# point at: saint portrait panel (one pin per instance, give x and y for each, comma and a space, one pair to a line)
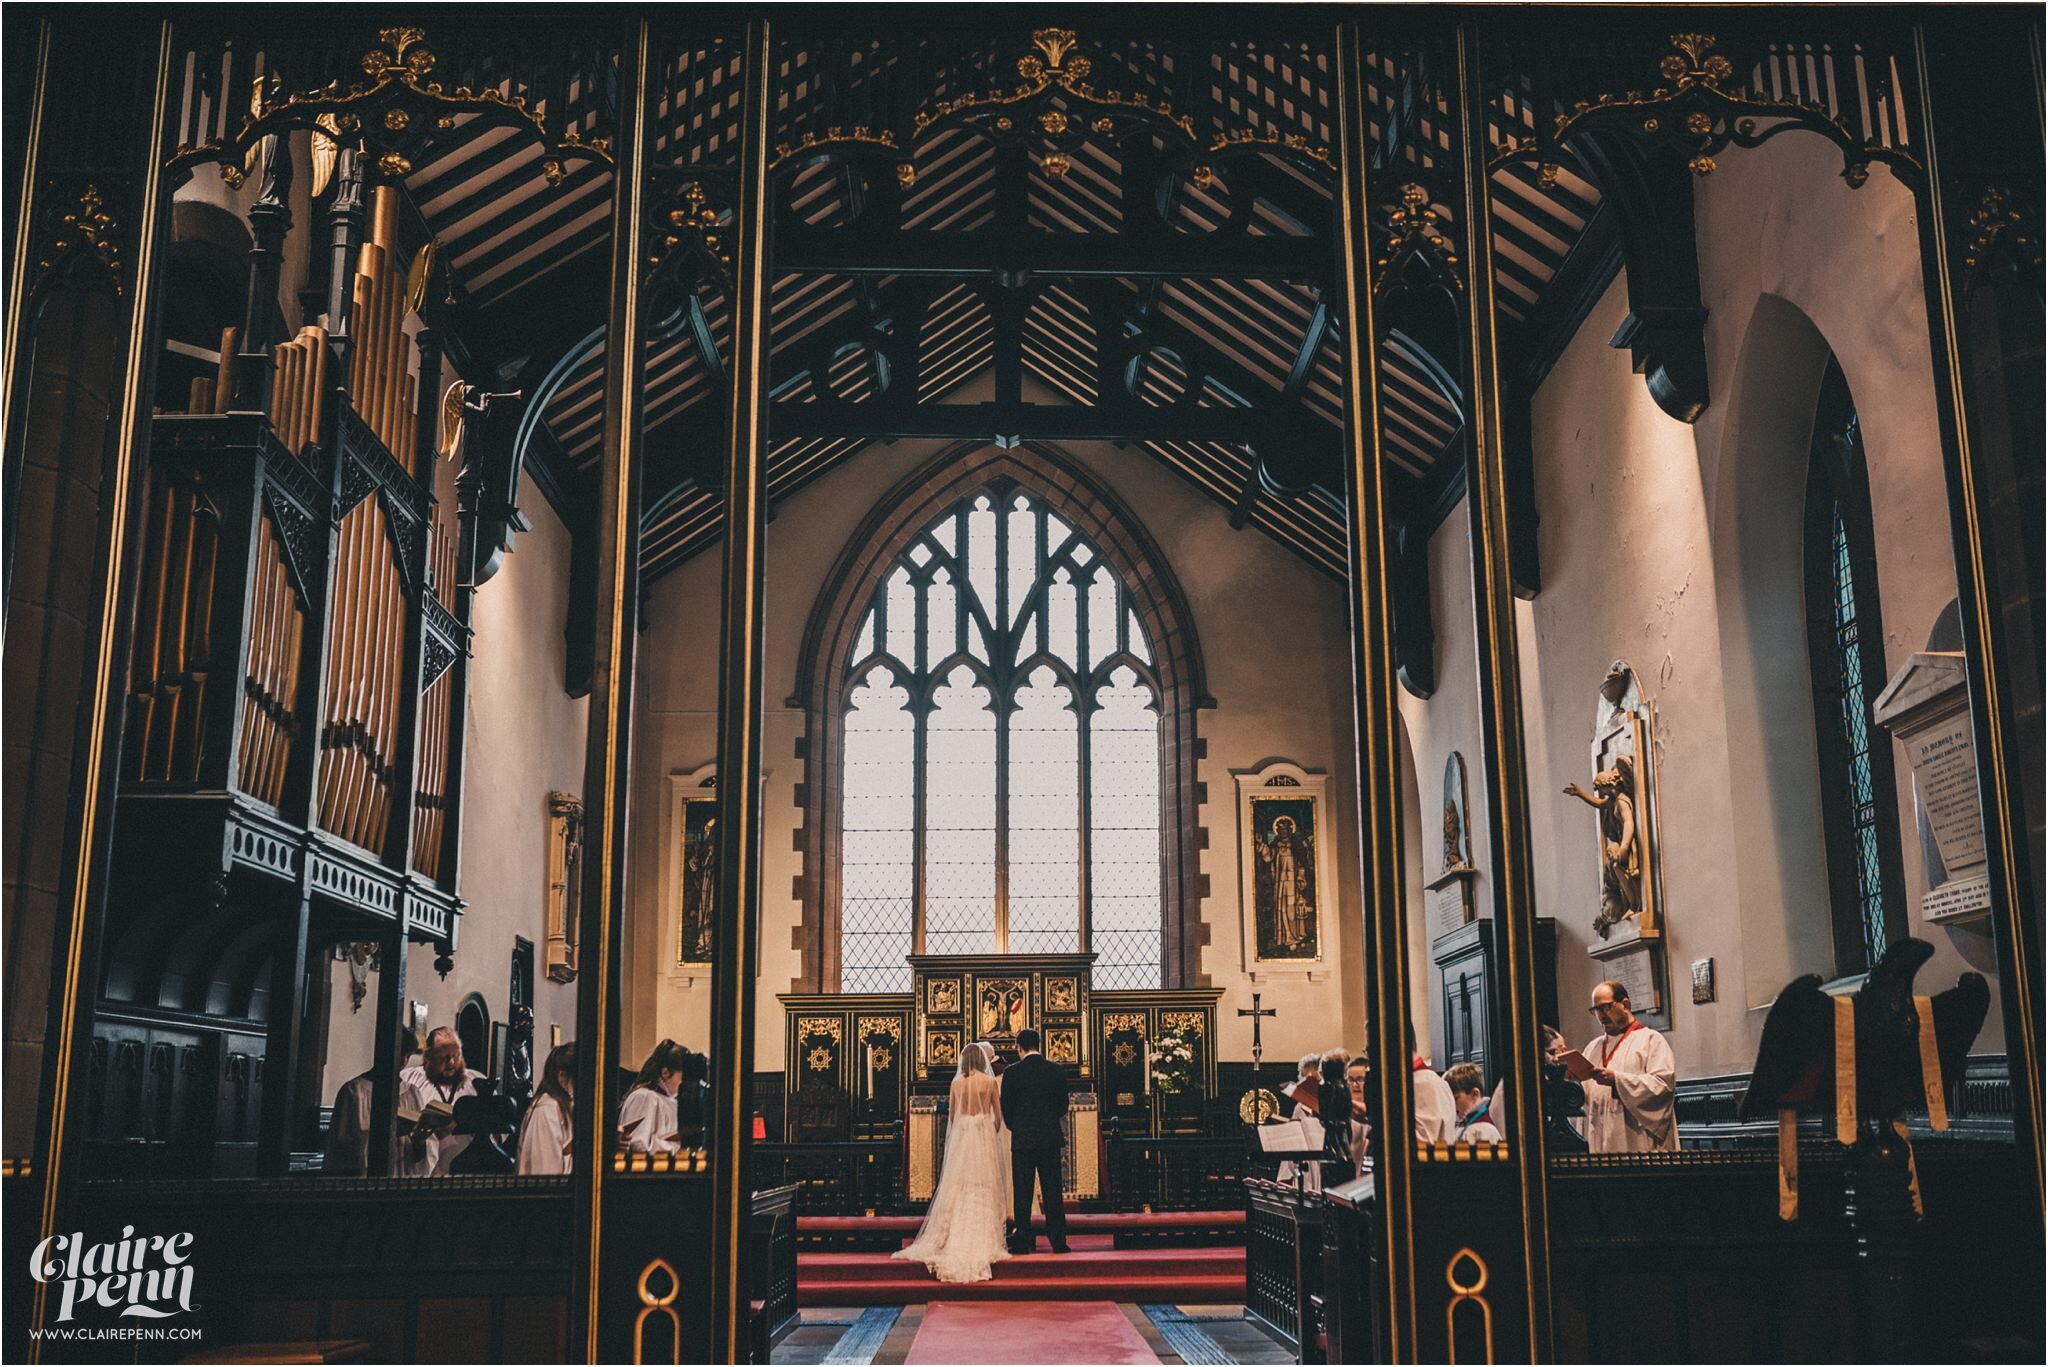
1286, 884
698, 896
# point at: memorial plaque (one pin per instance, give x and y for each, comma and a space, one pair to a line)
1944, 758
1958, 899
1450, 906
1926, 707
1636, 972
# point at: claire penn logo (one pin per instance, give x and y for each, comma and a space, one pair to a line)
147, 1277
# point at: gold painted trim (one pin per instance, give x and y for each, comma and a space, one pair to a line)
739, 702
117, 489
1462, 1292
24, 235
1372, 674
651, 1304
1504, 772
405, 61
611, 704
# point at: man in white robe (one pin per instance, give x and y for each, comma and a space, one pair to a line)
1436, 1111
441, 1075
1631, 1099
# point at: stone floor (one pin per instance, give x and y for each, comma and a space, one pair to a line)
1194, 1334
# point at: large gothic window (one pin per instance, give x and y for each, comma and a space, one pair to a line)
1846, 652
1000, 779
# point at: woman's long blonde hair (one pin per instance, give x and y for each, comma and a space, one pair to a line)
975, 1058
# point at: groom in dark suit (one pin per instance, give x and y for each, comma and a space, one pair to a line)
1034, 1105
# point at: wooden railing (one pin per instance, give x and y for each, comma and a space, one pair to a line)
1178, 1172
1283, 1248
835, 1179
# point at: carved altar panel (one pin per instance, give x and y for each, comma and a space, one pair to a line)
847, 1071
963, 998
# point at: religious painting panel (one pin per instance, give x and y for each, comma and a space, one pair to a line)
1062, 995
1063, 1045
1002, 1007
1286, 858
694, 850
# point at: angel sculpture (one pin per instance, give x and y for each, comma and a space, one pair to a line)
1864, 1060
1621, 865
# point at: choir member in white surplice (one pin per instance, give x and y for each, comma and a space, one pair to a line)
1631, 1096
544, 1134
1436, 1111
647, 1116
348, 1133
438, 1080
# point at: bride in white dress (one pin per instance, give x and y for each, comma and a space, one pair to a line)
962, 1236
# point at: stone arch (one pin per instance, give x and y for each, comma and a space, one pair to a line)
1759, 520
1091, 509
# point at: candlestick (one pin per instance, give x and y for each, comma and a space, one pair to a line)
1145, 1047
871, 1072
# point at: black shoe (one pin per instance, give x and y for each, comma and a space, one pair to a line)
1059, 1248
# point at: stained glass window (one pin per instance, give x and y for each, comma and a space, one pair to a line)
1847, 659
1005, 706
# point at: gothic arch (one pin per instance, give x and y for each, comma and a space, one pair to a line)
1089, 506
1759, 523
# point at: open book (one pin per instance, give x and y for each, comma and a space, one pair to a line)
1286, 1136
1577, 1065
435, 1115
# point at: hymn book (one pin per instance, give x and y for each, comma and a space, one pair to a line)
1577, 1065
435, 1115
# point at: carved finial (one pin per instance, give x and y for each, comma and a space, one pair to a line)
405, 52
1055, 43
1696, 67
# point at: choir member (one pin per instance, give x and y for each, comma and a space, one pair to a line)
429, 1147
1475, 1108
1631, 1080
348, 1132
647, 1117
544, 1134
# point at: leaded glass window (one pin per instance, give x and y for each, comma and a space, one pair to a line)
1001, 781
1847, 660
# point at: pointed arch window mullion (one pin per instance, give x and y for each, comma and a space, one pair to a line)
1003, 703
920, 712
1084, 728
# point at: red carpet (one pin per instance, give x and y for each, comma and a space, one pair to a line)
1027, 1332
1092, 1271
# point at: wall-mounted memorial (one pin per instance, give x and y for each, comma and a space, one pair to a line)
1628, 917
1926, 707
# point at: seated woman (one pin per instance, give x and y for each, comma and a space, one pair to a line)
544, 1134
1475, 1108
647, 1117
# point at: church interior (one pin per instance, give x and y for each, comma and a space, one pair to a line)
612, 611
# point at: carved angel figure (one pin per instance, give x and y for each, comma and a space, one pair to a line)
1621, 867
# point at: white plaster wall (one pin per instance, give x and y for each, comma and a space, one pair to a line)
1676, 548
1779, 224
1447, 720
525, 739
1273, 636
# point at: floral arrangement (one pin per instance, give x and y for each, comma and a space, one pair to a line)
1173, 1060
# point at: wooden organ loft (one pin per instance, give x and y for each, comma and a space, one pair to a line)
296, 706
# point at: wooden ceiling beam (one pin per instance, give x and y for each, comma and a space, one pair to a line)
1009, 255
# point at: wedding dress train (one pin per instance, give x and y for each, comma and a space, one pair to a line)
962, 1236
